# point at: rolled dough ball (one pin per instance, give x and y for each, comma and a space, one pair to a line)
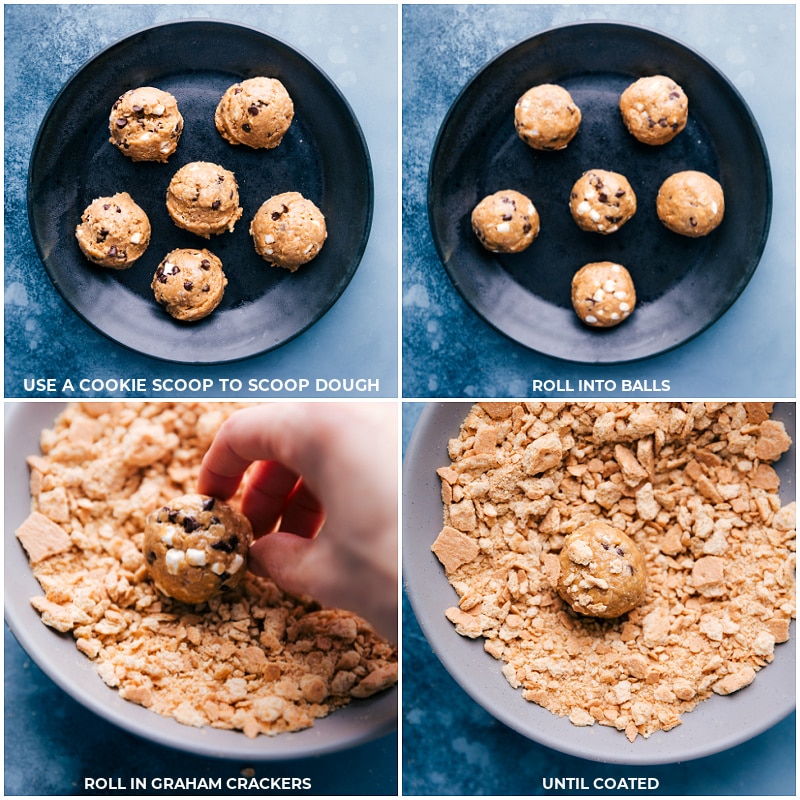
203, 198
603, 572
602, 201
546, 117
603, 294
256, 112
114, 231
505, 222
196, 547
690, 203
288, 230
145, 124
189, 283
654, 109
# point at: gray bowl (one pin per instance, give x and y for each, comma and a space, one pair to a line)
57, 656
715, 725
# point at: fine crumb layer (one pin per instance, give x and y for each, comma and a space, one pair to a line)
691, 483
255, 659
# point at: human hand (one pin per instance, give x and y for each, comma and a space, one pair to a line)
317, 468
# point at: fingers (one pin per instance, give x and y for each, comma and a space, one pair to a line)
266, 493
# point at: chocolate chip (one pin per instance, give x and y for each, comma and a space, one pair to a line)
205, 264
619, 193
602, 197
208, 504
151, 557
215, 520
121, 122
674, 95
237, 90
275, 215
188, 285
172, 515
190, 524
112, 251
619, 551
226, 545
663, 122
253, 110
138, 109
106, 206
246, 127
508, 217
215, 205
206, 288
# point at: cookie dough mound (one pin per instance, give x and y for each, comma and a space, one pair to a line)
189, 284
114, 231
690, 203
203, 198
196, 547
602, 201
145, 124
505, 222
603, 294
288, 230
603, 573
256, 112
546, 117
654, 109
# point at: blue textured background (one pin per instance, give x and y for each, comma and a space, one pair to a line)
354, 45
448, 351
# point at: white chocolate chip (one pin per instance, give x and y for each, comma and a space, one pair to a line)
503, 227
136, 238
237, 563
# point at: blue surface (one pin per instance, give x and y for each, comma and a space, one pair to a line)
53, 744
354, 45
451, 746
448, 351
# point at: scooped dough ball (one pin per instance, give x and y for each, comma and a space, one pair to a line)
603, 573
145, 124
602, 201
654, 109
603, 294
256, 112
690, 203
546, 117
114, 231
288, 230
505, 222
189, 283
203, 198
196, 547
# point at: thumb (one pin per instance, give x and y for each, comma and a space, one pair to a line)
281, 556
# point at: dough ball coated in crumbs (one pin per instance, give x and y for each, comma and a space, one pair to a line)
256, 112
189, 283
196, 547
690, 203
603, 572
603, 294
114, 231
602, 201
145, 124
505, 222
203, 198
288, 230
654, 109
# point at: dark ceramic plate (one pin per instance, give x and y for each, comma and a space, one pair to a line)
714, 725
683, 285
324, 156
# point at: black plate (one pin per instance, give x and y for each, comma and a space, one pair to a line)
324, 156
683, 285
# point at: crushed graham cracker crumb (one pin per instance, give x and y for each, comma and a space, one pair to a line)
691, 483
256, 660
